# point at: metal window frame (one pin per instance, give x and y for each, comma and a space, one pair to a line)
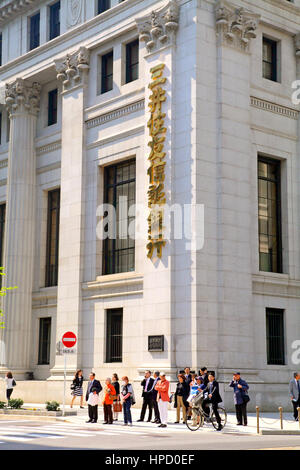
110, 315
52, 107
41, 360
48, 280
104, 74
54, 26
129, 64
34, 31
279, 360
103, 5
277, 164
107, 186
273, 63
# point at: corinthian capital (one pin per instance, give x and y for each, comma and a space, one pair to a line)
235, 26
72, 68
22, 97
159, 27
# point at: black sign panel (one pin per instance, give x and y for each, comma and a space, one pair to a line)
156, 343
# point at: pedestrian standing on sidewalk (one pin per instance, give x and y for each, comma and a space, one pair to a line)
115, 383
127, 397
163, 399
181, 396
294, 390
10, 384
154, 398
241, 398
147, 395
77, 388
109, 397
93, 386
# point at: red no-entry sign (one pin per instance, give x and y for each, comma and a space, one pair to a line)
69, 339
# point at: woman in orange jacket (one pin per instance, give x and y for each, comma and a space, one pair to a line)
163, 399
109, 397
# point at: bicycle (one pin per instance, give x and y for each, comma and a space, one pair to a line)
199, 417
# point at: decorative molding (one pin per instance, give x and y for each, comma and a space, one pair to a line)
74, 16
48, 148
116, 114
116, 137
4, 163
14, 8
73, 68
235, 26
281, 286
159, 27
274, 108
22, 97
51, 167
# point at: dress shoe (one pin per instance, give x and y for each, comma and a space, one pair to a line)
239, 424
94, 421
149, 421
163, 425
220, 427
140, 420
105, 422
89, 421
176, 422
154, 422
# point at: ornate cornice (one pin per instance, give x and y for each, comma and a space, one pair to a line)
48, 148
22, 97
274, 108
116, 114
73, 68
14, 8
235, 26
159, 27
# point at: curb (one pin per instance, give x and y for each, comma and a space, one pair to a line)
278, 432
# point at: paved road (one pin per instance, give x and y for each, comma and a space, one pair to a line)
39, 435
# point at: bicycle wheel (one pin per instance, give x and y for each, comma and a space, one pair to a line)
197, 420
223, 416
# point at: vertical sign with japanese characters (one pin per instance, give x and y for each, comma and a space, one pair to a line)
156, 170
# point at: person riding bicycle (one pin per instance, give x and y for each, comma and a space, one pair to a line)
212, 395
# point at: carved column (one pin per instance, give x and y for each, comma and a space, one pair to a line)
296, 163
22, 101
158, 31
72, 71
236, 170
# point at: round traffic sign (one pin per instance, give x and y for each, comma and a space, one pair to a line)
69, 339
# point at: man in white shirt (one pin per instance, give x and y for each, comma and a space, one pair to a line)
147, 385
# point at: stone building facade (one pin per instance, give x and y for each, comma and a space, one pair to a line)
75, 123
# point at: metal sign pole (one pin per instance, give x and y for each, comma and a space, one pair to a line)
65, 378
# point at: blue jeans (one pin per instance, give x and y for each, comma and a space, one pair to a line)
127, 412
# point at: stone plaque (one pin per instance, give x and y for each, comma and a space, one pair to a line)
156, 343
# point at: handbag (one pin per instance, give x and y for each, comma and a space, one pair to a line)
72, 386
14, 383
245, 397
117, 406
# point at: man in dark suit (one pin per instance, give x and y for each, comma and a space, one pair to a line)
214, 398
294, 389
204, 375
93, 386
154, 399
188, 375
147, 385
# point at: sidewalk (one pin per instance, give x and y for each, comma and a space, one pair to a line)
268, 421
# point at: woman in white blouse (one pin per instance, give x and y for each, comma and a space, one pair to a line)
10, 382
